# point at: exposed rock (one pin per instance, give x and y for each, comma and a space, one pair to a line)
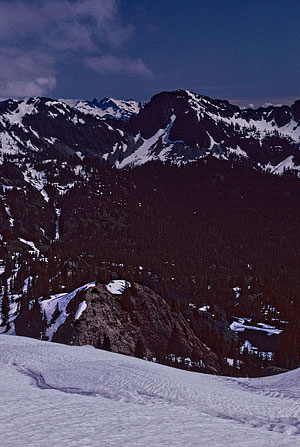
139, 325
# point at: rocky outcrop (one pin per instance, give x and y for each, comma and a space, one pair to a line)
138, 322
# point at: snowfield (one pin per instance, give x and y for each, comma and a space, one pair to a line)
56, 395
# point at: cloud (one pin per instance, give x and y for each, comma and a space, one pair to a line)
113, 64
37, 36
263, 102
29, 74
79, 24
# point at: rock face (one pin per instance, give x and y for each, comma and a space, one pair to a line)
138, 322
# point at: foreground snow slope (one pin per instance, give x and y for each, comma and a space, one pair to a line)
78, 396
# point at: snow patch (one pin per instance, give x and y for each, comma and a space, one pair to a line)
283, 166
118, 286
8, 212
58, 213
16, 116
34, 250
81, 308
204, 308
240, 326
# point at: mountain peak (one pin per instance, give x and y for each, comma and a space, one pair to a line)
110, 108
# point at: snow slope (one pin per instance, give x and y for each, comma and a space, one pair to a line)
78, 396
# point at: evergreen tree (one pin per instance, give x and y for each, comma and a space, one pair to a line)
140, 349
106, 343
5, 307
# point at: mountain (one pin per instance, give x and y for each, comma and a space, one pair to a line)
110, 108
82, 396
41, 128
181, 199
182, 127
177, 127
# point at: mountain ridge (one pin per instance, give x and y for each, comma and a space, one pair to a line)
177, 127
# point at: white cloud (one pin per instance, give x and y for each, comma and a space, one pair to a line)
62, 23
37, 35
113, 64
263, 102
29, 74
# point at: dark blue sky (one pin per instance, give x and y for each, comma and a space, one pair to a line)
246, 51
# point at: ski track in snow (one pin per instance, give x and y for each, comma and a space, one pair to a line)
43, 385
60, 395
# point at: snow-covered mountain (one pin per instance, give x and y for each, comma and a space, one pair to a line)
111, 108
39, 128
80, 396
182, 127
177, 127
107, 107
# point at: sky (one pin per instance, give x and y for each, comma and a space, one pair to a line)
241, 50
